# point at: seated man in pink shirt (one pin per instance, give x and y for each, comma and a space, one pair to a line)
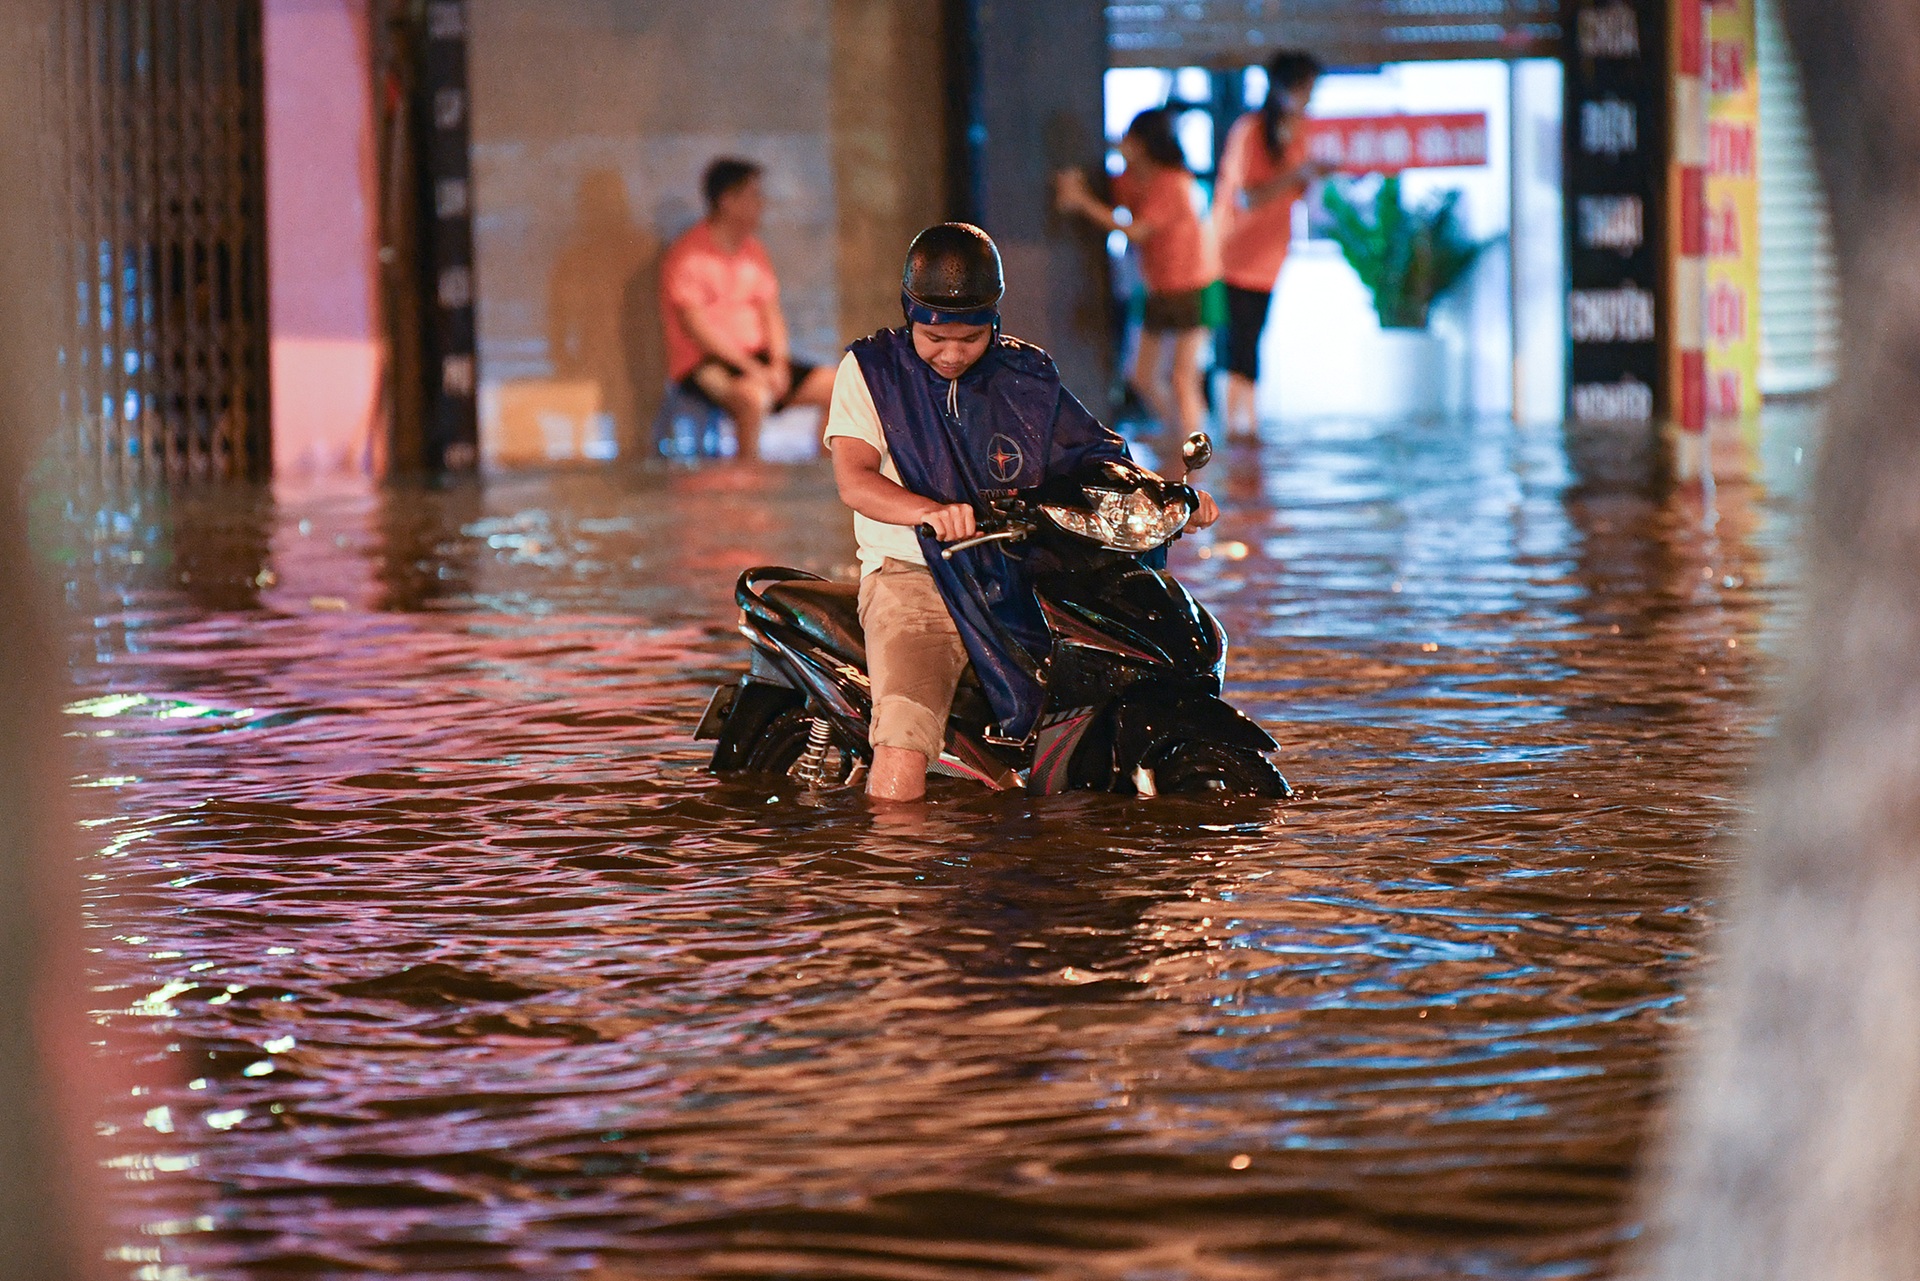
726, 338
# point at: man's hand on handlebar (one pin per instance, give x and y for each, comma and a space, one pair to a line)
952, 522
1206, 513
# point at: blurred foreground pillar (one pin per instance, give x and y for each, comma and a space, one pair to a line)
1796, 1147
52, 1083
1028, 98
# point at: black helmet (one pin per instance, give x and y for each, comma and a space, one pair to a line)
952, 277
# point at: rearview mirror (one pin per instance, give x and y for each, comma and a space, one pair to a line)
1197, 452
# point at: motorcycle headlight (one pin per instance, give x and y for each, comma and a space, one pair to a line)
1129, 522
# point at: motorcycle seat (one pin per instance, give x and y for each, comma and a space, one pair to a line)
828, 612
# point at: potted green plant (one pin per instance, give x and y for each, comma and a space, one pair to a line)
1408, 258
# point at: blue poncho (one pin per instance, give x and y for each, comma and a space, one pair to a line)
1005, 424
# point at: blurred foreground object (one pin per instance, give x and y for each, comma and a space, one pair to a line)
50, 1079
1795, 1150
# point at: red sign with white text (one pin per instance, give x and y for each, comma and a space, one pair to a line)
1389, 144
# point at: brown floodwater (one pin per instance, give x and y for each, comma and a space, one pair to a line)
438, 954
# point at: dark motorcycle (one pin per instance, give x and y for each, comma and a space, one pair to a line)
1133, 683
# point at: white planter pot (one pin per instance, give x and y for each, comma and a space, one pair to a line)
1324, 355
1407, 375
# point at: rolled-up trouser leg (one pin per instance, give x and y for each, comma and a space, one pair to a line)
914, 658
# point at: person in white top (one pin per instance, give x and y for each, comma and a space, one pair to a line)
915, 655
1009, 427
852, 417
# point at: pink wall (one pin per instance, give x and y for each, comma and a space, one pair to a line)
321, 238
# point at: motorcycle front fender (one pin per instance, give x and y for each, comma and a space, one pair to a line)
1146, 718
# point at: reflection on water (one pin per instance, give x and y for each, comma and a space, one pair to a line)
447, 959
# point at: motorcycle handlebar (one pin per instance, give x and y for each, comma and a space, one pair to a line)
985, 525
986, 531
1011, 534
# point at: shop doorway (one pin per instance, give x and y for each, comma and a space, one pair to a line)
1499, 335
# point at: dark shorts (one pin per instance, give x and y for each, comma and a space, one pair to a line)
1246, 317
1168, 313
797, 371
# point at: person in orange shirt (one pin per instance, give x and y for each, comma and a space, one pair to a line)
1264, 170
1177, 256
720, 301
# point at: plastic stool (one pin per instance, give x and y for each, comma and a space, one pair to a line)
690, 427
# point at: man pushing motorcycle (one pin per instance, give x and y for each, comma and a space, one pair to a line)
929, 423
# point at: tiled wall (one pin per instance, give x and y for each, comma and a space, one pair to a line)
593, 120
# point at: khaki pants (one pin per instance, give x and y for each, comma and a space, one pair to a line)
914, 657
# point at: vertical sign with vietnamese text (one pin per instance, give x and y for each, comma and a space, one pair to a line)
452, 424
1732, 210
1616, 156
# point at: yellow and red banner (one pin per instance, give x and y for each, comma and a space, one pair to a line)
1732, 210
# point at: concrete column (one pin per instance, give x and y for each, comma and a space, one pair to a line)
1037, 106
888, 124
321, 237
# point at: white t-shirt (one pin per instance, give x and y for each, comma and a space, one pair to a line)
853, 414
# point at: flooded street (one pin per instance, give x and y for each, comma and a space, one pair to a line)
440, 955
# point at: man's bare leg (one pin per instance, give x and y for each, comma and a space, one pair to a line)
745, 397
898, 774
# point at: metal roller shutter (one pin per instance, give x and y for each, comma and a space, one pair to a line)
1232, 33
1799, 289
160, 155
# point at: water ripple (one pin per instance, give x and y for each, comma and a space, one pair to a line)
440, 955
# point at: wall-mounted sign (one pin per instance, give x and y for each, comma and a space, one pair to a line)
452, 426
1732, 210
1611, 222
1392, 144
1616, 156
